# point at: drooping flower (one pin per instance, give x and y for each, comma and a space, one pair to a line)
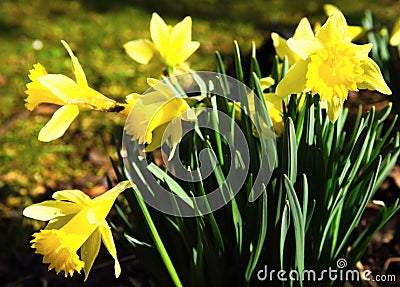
61, 90
75, 222
157, 115
173, 44
331, 66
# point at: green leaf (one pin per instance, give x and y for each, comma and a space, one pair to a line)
284, 229
298, 223
172, 184
255, 255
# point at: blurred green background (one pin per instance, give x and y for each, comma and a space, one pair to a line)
30, 32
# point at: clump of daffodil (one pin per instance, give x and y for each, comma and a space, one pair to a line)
61, 90
157, 116
75, 222
172, 45
395, 34
331, 66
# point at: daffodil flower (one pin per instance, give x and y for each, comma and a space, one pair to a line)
395, 35
158, 115
61, 90
75, 222
331, 66
173, 44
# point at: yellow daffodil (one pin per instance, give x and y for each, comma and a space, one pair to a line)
395, 35
173, 44
282, 49
75, 222
331, 66
61, 90
351, 31
153, 112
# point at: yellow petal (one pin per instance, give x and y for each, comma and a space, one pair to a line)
334, 107
54, 246
182, 33
59, 123
304, 46
330, 9
112, 194
78, 70
174, 134
179, 42
361, 50
274, 100
266, 83
61, 86
74, 195
157, 137
395, 34
373, 79
50, 209
188, 50
37, 93
141, 50
59, 222
295, 80
354, 32
282, 49
102, 204
90, 250
303, 29
159, 34
37, 71
108, 241
334, 29
169, 111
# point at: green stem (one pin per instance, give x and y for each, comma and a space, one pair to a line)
158, 242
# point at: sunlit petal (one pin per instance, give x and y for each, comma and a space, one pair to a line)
59, 123
188, 50
303, 29
108, 241
304, 46
159, 33
282, 49
78, 70
73, 195
334, 107
395, 34
334, 30
372, 78
141, 50
89, 251
61, 86
295, 80
50, 209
